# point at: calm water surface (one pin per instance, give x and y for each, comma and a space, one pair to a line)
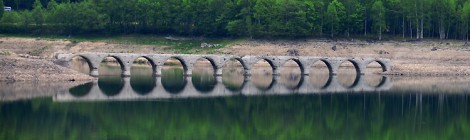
231, 106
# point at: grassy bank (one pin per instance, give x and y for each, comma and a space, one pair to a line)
183, 45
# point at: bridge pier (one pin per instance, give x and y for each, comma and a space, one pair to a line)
126, 72
94, 72
158, 70
218, 71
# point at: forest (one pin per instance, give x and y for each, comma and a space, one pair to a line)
410, 19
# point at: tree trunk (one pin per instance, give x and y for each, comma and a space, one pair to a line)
365, 22
403, 26
380, 33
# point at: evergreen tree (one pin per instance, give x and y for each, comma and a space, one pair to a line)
38, 13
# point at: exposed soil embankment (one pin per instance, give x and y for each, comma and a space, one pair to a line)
408, 57
13, 68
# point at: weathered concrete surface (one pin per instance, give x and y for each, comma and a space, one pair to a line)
218, 61
220, 90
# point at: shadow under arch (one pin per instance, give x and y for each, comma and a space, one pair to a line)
81, 90
111, 85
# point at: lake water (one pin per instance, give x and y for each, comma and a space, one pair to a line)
232, 106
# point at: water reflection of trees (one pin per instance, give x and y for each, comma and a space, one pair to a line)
339, 116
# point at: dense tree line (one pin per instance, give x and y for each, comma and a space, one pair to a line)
248, 18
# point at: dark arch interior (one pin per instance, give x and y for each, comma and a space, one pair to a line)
142, 76
348, 74
233, 75
203, 75
173, 79
111, 85
320, 75
80, 64
291, 74
110, 66
81, 90
262, 74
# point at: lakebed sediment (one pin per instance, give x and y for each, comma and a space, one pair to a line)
31, 59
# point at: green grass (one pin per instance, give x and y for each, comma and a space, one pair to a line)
187, 46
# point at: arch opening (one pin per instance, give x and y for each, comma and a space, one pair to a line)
320, 74
372, 74
203, 75
291, 74
348, 74
81, 64
111, 66
233, 75
173, 79
375, 67
142, 78
262, 74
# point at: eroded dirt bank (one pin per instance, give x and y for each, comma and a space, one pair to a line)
31, 59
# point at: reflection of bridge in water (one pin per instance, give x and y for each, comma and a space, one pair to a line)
248, 88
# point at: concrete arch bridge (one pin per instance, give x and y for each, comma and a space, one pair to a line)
218, 61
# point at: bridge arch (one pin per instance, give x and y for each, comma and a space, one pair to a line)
297, 61
181, 60
382, 64
211, 61
90, 64
273, 66
328, 64
238, 59
149, 60
119, 60
356, 64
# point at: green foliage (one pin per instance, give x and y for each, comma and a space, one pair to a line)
240, 18
378, 18
1, 8
335, 16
